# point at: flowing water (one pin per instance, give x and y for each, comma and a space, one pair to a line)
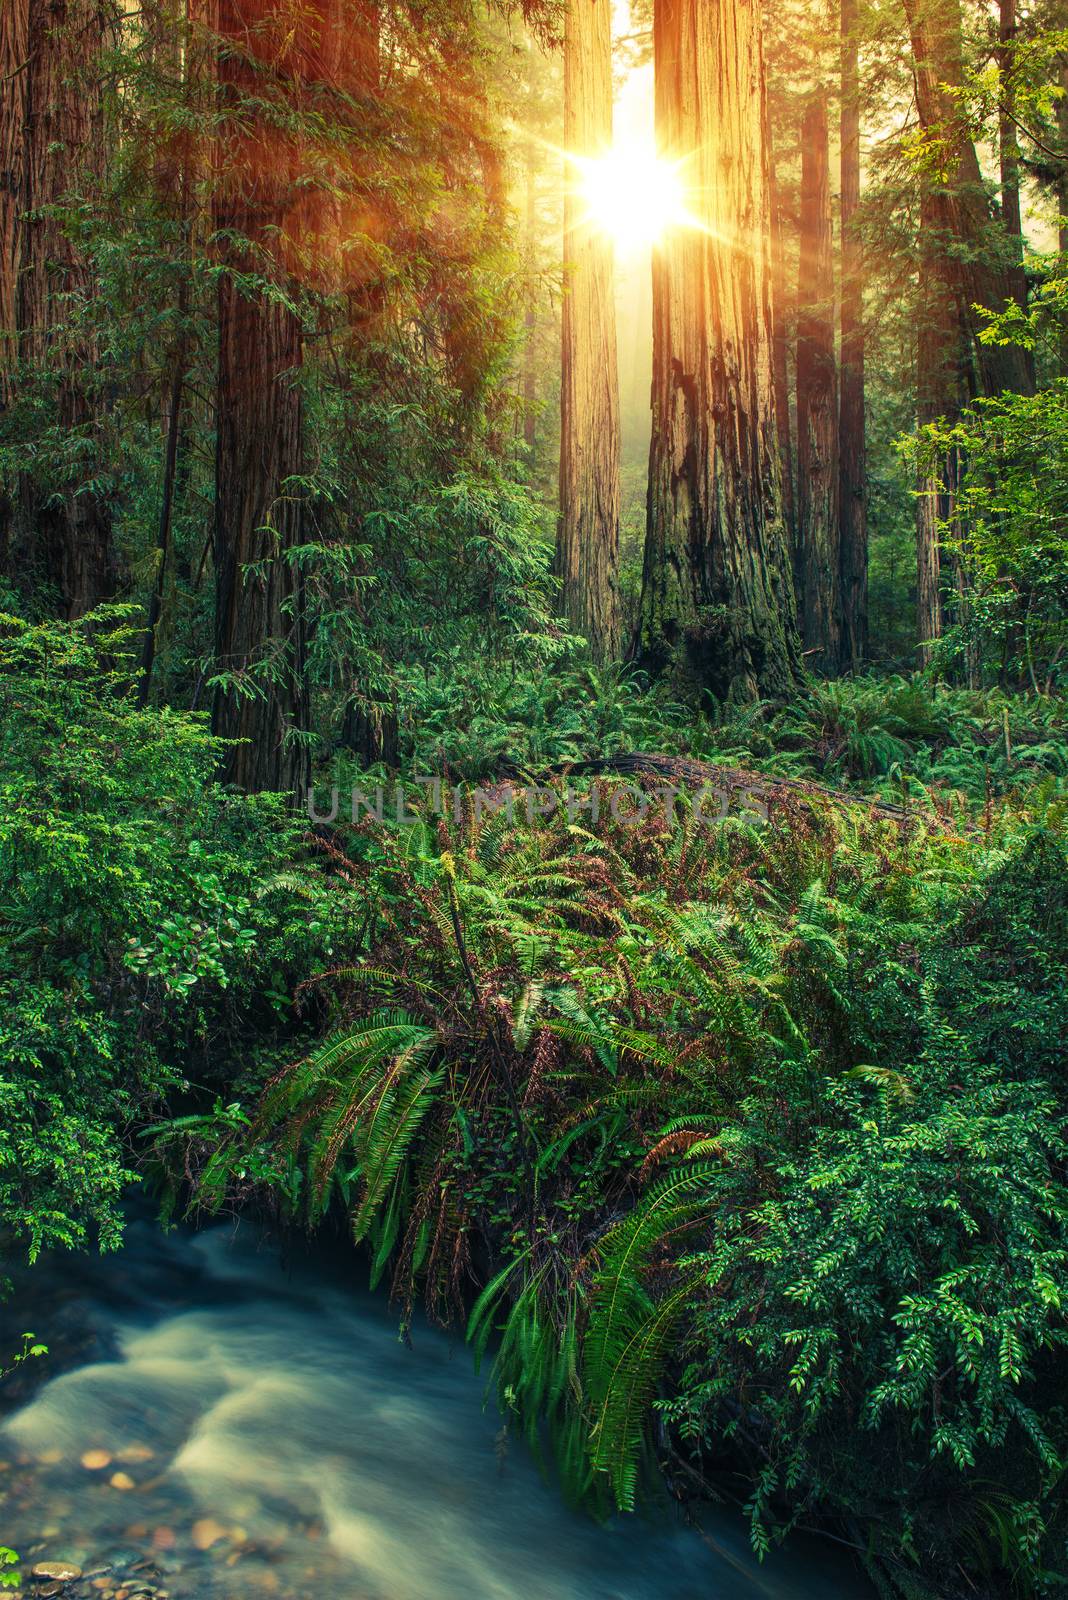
243, 1429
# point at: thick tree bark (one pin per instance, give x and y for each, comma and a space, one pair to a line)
853, 515
587, 537
53, 137
817, 404
259, 641
975, 261
717, 595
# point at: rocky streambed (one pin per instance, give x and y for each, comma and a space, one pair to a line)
226, 1427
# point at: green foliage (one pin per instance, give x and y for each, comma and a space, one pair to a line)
886, 732
139, 919
478, 718
1009, 533
31, 1349
757, 1133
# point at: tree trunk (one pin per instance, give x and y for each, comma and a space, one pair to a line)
259, 643
717, 600
54, 137
817, 404
853, 516
1062, 203
14, 81
587, 537
938, 388
14, 54
530, 316
781, 353
179, 374
973, 255
1008, 146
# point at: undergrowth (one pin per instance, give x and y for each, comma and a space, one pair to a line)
750, 1139
881, 734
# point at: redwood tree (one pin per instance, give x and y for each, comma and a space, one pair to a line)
960, 236
587, 540
14, 62
261, 214
852, 453
939, 343
817, 403
781, 352
1008, 145
1062, 198
965, 263
717, 600
51, 140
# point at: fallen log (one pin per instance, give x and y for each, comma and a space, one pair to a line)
686, 773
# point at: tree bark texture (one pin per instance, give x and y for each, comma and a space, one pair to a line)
939, 384
817, 404
1008, 145
259, 634
717, 594
780, 315
852, 452
587, 538
975, 258
51, 128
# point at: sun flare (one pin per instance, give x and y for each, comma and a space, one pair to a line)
632, 194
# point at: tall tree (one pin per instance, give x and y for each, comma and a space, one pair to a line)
717, 596
14, 52
14, 64
1062, 199
1008, 144
976, 265
530, 315
939, 341
780, 320
261, 699
817, 546
965, 263
587, 539
852, 452
51, 128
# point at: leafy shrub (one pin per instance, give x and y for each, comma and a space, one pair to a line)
139, 921
1009, 533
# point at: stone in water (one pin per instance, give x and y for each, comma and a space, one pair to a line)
207, 1532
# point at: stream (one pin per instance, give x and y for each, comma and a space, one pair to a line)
234, 1427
